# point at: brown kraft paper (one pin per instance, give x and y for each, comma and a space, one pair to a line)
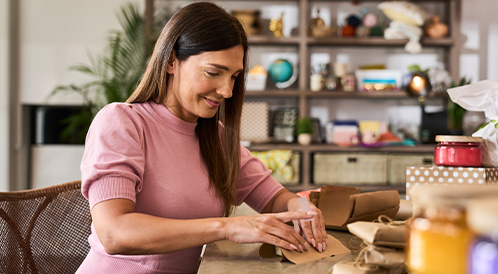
380, 234
387, 258
334, 247
342, 205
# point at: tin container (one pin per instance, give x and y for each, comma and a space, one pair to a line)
453, 150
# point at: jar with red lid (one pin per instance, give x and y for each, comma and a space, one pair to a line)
454, 150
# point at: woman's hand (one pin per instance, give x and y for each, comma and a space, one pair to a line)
314, 229
268, 228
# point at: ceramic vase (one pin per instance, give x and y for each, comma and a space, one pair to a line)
304, 138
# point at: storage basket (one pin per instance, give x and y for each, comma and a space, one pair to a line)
397, 164
349, 168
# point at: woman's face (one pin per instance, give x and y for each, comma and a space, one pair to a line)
198, 85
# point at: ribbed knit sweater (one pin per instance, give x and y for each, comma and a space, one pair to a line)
142, 152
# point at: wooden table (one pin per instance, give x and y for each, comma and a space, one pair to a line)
227, 257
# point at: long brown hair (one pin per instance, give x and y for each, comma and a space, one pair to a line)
197, 28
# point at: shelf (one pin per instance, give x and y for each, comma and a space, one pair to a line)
376, 41
370, 95
346, 41
270, 40
359, 94
273, 93
425, 148
366, 1
276, 93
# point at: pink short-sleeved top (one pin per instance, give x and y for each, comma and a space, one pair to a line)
142, 152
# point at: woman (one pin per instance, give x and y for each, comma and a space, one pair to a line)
163, 171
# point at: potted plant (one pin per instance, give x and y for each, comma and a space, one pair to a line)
115, 74
304, 129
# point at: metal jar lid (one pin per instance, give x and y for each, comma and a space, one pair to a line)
458, 139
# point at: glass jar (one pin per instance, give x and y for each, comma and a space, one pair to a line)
483, 219
439, 238
452, 150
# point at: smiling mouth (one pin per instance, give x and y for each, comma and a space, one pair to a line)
213, 103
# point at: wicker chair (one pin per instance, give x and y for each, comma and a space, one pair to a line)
44, 230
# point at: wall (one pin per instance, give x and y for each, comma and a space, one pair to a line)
4, 98
53, 36
479, 59
56, 34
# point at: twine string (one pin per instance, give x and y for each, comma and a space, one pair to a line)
383, 219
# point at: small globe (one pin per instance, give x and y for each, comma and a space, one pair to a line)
280, 71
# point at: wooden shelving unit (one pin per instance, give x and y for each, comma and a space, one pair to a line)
305, 44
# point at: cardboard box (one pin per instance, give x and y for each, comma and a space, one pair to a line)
441, 175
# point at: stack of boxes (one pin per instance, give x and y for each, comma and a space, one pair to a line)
458, 161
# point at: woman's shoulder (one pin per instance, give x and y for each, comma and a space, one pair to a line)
121, 109
120, 114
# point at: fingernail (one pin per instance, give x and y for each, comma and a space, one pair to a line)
324, 246
301, 248
319, 247
306, 247
293, 247
313, 242
311, 213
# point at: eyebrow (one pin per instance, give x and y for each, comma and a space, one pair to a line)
225, 68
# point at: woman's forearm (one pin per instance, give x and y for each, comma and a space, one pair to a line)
123, 231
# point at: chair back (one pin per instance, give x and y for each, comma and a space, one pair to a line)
44, 230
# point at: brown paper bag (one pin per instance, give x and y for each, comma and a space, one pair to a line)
385, 257
380, 234
342, 205
334, 247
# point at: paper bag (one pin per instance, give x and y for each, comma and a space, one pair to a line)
380, 234
334, 247
386, 257
342, 205
482, 96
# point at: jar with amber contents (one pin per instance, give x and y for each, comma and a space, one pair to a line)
453, 150
439, 238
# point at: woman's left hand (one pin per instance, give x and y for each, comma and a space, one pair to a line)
314, 229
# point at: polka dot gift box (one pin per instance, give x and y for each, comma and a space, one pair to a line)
440, 175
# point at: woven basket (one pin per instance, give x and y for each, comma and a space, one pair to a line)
396, 165
349, 168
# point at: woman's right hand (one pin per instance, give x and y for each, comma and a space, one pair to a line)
268, 228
